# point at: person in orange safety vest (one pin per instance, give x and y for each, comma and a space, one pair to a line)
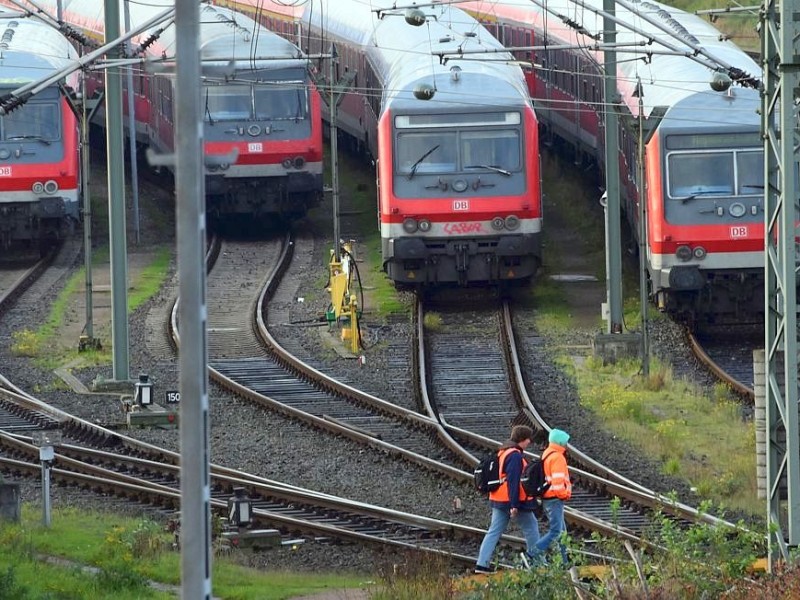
510, 501
560, 490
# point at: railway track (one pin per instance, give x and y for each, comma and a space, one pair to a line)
728, 354
479, 392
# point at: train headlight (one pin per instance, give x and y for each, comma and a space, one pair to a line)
512, 222
498, 223
224, 166
254, 130
287, 163
424, 226
683, 253
50, 187
299, 162
699, 253
737, 209
37, 187
4, 154
410, 225
459, 185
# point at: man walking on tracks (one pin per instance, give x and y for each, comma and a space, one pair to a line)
509, 501
560, 490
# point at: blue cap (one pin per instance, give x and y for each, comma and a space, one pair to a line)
557, 436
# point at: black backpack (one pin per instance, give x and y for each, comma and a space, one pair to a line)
487, 474
533, 479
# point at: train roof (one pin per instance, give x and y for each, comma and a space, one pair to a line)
30, 50
225, 35
666, 80
402, 54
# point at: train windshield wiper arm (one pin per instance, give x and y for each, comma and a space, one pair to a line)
686, 199
38, 138
494, 168
420, 159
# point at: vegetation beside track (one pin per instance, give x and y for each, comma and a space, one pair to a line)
101, 556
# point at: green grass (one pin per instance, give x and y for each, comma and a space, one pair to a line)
39, 344
125, 554
696, 434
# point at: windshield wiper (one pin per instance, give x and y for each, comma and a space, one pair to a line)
698, 194
419, 161
208, 111
494, 168
38, 138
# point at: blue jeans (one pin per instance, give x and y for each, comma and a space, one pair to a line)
554, 508
500, 518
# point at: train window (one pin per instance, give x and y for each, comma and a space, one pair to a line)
490, 148
700, 173
34, 120
750, 173
286, 101
227, 102
428, 152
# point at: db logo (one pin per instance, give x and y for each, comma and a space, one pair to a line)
5, 171
460, 204
739, 232
255, 147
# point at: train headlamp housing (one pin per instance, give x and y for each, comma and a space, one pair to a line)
287, 163
699, 253
737, 209
683, 253
50, 187
459, 185
424, 226
37, 188
4, 154
299, 162
410, 225
224, 166
498, 223
254, 130
512, 222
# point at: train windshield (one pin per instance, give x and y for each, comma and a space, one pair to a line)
716, 173
32, 121
278, 101
262, 101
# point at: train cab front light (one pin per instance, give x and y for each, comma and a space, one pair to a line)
224, 166
424, 226
512, 222
37, 188
683, 253
699, 253
4, 154
498, 223
287, 163
254, 130
50, 187
737, 209
410, 225
299, 162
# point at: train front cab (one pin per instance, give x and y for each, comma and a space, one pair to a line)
450, 217
706, 222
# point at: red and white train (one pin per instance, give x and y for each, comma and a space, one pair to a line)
700, 167
459, 196
260, 103
39, 139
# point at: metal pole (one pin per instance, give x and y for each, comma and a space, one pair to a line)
87, 210
46, 493
132, 130
613, 234
116, 202
334, 158
643, 304
191, 225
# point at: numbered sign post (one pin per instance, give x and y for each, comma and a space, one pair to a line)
172, 397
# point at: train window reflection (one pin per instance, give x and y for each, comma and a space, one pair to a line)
750, 173
492, 148
32, 120
700, 173
281, 102
411, 147
227, 102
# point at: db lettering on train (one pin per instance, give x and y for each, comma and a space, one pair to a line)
740, 231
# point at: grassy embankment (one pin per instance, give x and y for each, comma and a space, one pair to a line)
105, 556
